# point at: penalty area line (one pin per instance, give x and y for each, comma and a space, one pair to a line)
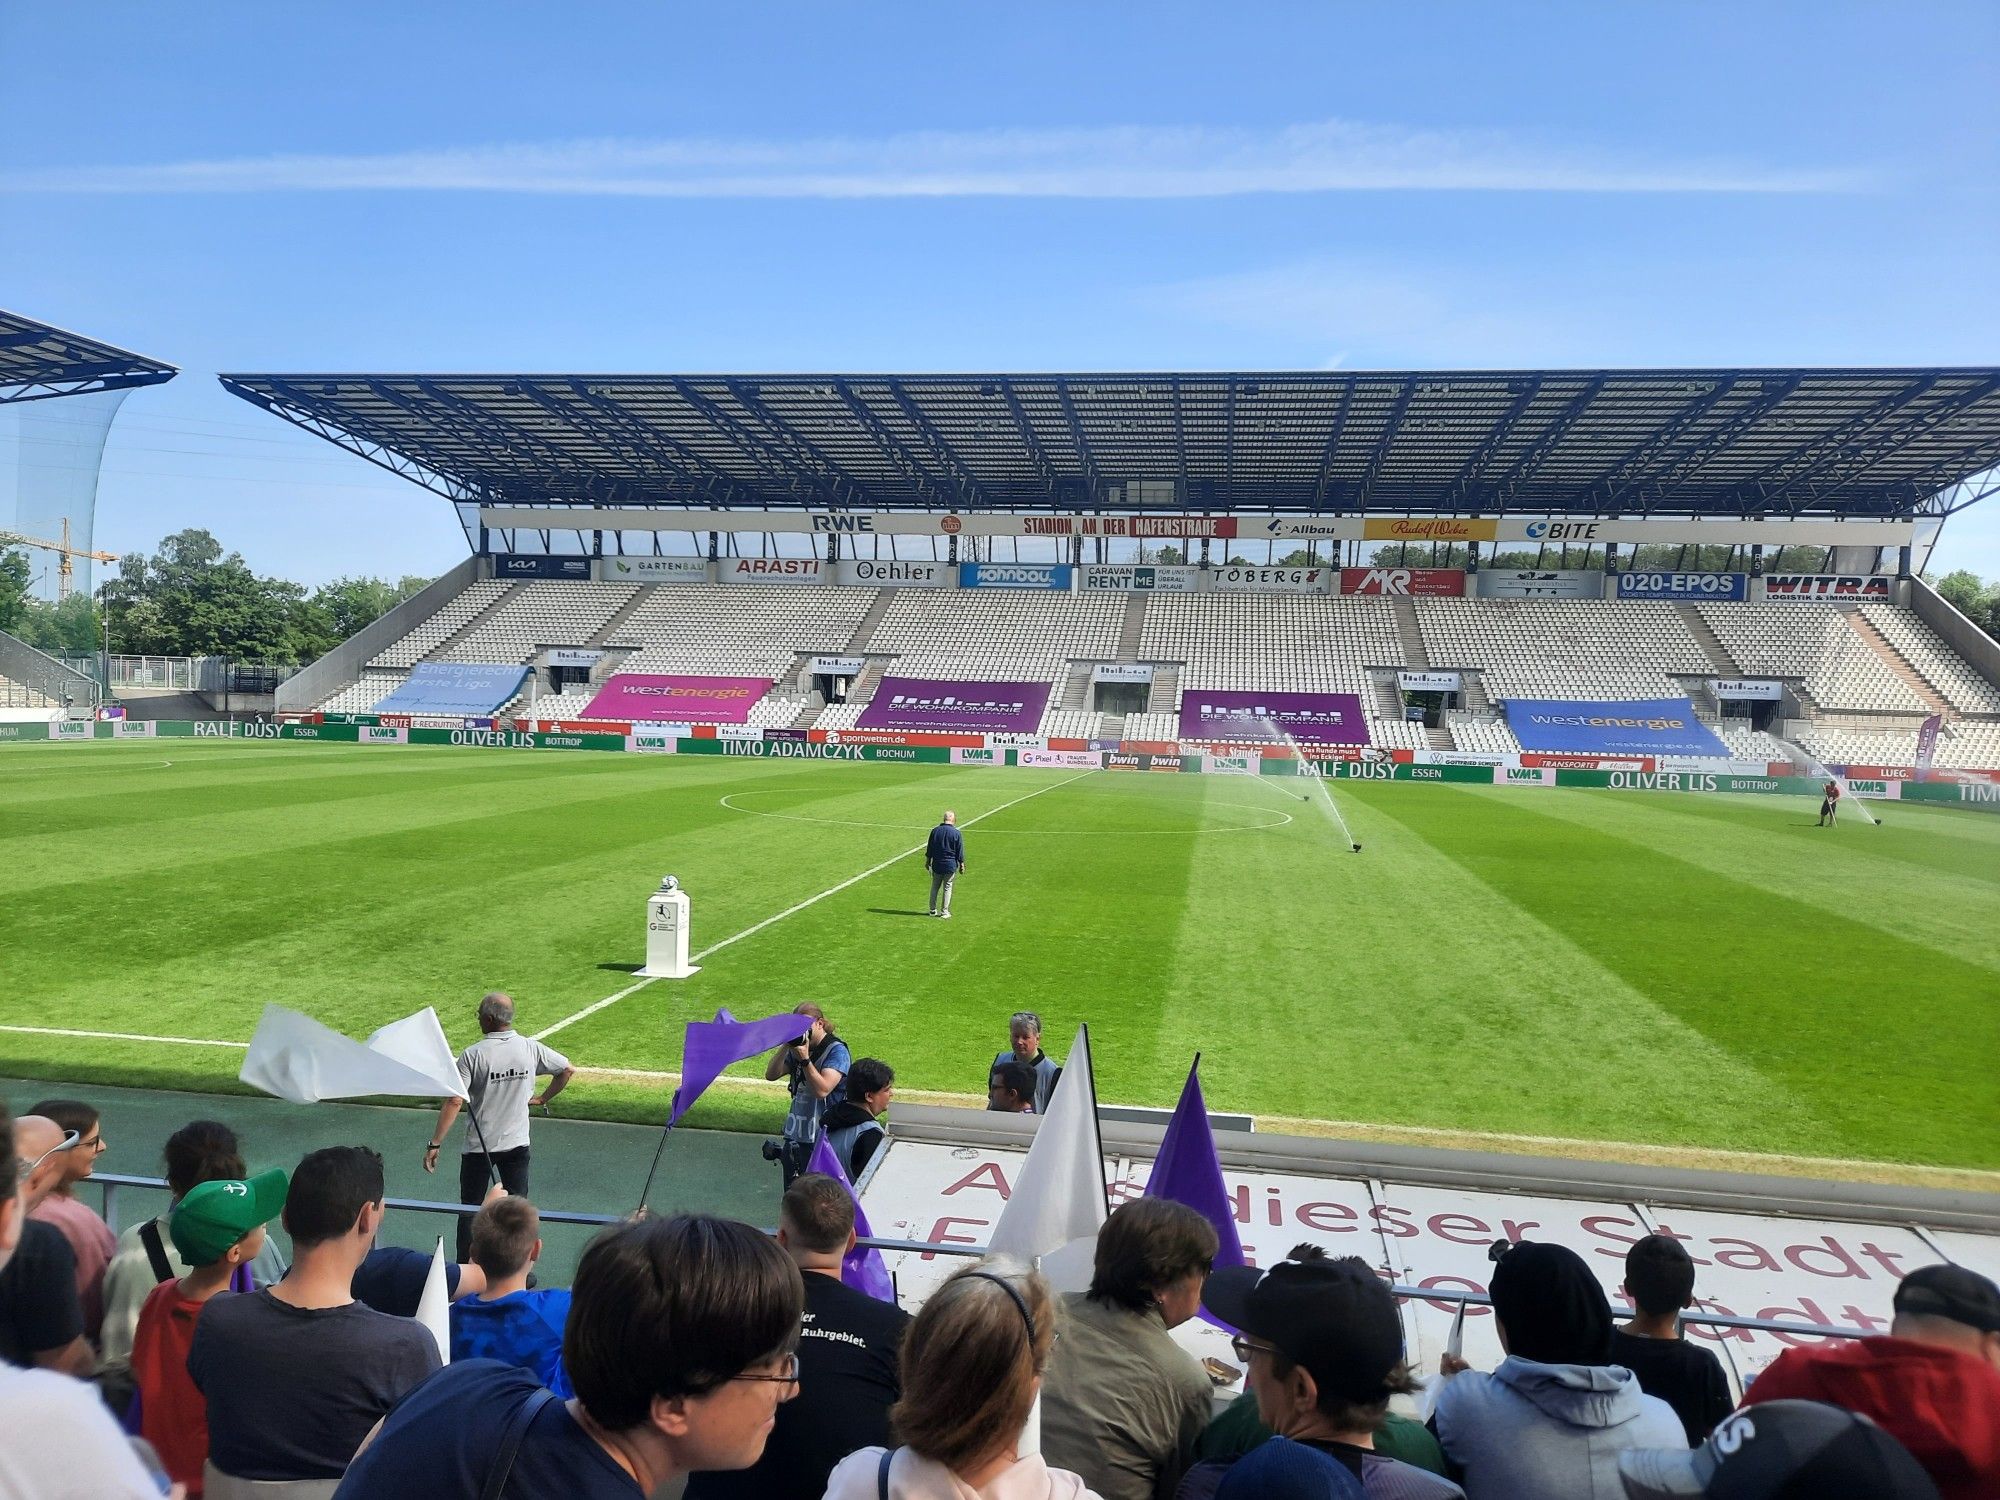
794, 910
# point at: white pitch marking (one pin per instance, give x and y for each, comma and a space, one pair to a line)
1069, 833
832, 890
123, 1036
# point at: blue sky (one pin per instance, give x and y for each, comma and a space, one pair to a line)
783, 186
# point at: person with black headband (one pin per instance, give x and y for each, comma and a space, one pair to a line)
1322, 1345
1555, 1415
972, 1367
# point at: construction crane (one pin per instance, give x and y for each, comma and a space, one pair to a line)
63, 550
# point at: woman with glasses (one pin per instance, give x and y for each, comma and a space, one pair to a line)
972, 1367
90, 1238
680, 1346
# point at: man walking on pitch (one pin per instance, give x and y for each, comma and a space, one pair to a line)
944, 857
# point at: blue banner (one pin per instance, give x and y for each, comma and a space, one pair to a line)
536, 565
1004, 575
454, 688
1683, 586
1630, 726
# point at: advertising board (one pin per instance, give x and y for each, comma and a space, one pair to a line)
998, 575
782, 570
1427, 529
1251, 717
1758, 689
1818, 586
1717, 586
572, 656
652, 570
649, 696
523, 565
947, 704
1121, 672
839, 666
1427, 682
1238, 578
1060, 760
1540, 583
454, 688
1630, 726
1419, 583
892, 573
1174, 579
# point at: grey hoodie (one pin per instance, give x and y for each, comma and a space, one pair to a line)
1531, 1431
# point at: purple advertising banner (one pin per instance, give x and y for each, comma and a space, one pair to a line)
1243, 718
948, 706
638, 697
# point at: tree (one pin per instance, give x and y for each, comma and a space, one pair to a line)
1299, 557
72, 625
15, 574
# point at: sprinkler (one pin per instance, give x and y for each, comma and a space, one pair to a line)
1357, 848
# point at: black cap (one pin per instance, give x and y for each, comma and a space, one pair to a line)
1954, 1292
1781, 1450
1335, 1317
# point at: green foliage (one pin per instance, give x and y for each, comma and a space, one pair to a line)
73, 625
1974, 598
15, 575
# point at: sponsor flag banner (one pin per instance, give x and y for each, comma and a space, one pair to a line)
295, 1057
454, 688
1683, 586
1187, 1170
1429, 583
638, 697
1632, 726
1927, 745
862, 1267
1060, 1198
711, 1046
1248, 717
947, 705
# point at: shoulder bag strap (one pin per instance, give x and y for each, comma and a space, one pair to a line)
882, 1474
149, 1236
510, 1443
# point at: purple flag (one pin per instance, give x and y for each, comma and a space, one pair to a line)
862, 1268
1927, 735
1187, 1171
712, 1046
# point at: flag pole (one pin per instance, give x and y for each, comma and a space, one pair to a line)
646, 1193
492, 1172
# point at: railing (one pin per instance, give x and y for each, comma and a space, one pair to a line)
111, 1182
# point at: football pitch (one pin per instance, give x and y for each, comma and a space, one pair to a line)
1660, 969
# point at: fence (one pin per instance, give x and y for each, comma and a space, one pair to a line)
111, 1182
185, 674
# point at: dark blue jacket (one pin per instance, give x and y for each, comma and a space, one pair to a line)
945, 853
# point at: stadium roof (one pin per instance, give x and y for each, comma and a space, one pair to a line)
1738, 443
38, 361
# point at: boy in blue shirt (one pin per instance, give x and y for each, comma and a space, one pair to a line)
508, 1322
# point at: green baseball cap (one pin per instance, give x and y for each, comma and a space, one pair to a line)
215, 1215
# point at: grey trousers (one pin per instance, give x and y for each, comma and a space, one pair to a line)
941, 887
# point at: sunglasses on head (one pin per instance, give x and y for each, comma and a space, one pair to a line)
67, 1143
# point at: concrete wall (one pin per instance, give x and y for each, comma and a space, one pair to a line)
341, 667
1979, 649
22, 663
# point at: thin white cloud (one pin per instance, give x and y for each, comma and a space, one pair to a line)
1130, 162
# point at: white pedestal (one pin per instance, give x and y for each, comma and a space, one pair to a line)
667, 936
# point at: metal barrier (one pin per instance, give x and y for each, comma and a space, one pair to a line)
110, 1182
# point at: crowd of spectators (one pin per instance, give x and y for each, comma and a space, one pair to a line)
699, 1351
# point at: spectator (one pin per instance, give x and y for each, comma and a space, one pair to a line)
972, 1365
499, 1072
1785, 1450
391, 1278
295, 1375
847, 1359
854, 1126
814, 1068
507, 1321
1322, 1345
200, 1151
679, 1344
1024, 1034
41, 1317
217, 1227
1659, 1278
1010, 1089
1933, 1383
1553, 1418
59, 1438
90, 1238
1240, 1428
1124, 1404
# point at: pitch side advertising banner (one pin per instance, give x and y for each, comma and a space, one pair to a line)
1716, 586
1175, 579
652, 570
1540, 583
768, 570
1428, 583
995, 575
947, 705
534, 565
1060, 760
638, 697
454, 688
1632, 726
1247, 718
1826, 586
888, 573
1238, 578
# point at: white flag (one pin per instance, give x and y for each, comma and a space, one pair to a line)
434, 1307
296, 1058
1059, 1199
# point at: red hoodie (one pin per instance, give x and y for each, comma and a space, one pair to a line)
1942, 1405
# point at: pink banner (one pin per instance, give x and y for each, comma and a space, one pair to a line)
638, 697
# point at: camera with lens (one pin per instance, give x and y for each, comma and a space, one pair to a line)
773, 1150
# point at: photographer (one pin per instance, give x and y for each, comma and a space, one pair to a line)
814, 1066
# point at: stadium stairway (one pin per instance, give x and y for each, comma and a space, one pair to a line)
1710, 643
616, 623
1134, 625
1898, 663
1415, 652
857, 644
1165, 697
1075, 694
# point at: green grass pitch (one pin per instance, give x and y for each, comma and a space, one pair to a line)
1667, 969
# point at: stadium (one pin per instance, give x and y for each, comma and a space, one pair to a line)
1440, 756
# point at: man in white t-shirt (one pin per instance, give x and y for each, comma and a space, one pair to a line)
499, 1071
61, 1441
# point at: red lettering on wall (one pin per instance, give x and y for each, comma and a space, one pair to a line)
1446, 1227
1716, 1335
1808, 1311
1886, 1259
1518, 1231
1595, 1224
1741, 1255
1458, 1283
986, 1175
1847, 1269
1317, 1215
1686, 1239
941, 1235
1400, 1228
